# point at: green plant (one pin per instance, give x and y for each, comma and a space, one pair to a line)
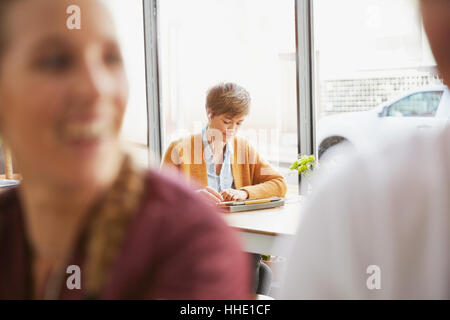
265, 257
303, 164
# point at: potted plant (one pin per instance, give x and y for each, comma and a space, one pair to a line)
304, 166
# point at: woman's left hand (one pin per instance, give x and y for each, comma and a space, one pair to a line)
234, 195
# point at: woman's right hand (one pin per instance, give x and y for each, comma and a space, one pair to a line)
210, 195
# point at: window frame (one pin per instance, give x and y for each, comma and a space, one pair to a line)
304, 31
154, 110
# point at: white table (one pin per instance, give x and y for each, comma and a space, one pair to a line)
262, 231
8, 183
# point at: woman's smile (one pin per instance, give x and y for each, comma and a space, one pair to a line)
82, 131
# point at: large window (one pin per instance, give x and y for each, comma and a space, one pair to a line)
367, 54
368, 57
249, 42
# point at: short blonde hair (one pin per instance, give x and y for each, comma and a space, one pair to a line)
228, 98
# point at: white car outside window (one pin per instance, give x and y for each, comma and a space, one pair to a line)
427, 108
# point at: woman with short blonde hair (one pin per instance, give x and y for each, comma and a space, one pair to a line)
225, 166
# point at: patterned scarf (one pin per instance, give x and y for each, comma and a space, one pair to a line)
109, 224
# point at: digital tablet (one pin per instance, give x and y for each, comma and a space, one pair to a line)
251, 204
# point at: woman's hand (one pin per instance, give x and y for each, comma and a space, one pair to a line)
211, 195
234, 195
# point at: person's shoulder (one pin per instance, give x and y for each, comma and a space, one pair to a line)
403, 170
412, 159
165, 188
170, 198
401, 154
185, 140
243, 144
180, 146
241, 140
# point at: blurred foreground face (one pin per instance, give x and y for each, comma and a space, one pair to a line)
62, 92
436, 19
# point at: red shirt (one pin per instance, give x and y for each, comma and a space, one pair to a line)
177, 247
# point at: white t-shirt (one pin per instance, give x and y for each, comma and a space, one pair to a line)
390, 211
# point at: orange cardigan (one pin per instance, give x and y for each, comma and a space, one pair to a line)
250, 171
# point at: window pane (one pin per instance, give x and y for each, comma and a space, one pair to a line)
130, 28
368, 53
249, 42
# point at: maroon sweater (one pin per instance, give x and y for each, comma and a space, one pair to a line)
176, 247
